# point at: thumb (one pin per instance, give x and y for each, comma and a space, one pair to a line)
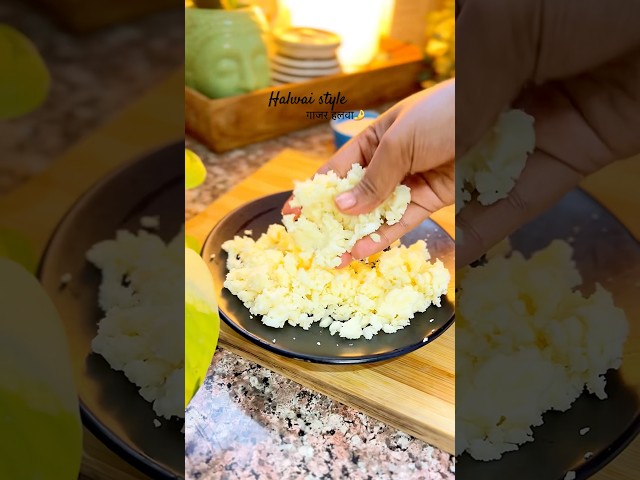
388, 167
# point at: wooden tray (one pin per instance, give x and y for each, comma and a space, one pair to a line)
232, 122
421, 383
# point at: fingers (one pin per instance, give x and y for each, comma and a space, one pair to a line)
345, 260
390, 163
287, 209
542, 183
359, 149
495, 51
413, 217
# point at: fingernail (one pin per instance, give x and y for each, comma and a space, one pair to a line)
346, 200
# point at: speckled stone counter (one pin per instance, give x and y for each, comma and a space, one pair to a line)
249, 422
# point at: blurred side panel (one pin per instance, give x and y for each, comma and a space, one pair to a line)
91, 241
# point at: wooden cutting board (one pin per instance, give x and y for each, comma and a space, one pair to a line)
414, 393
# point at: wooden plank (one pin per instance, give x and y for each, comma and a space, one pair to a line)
233, 122
421, 384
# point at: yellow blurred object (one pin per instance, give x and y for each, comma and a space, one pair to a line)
441, 44
24, 77
40, 427
17, 247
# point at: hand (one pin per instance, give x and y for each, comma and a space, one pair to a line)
412, 143
575, 67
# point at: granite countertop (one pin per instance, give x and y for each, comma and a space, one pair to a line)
250, 422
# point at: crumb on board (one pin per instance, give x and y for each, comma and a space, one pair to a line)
317, 343
212, 257
431, 320
584, 431
571, 475
248, 232
425, 339
150, 221
588, 455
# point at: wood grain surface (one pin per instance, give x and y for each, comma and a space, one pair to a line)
414, 393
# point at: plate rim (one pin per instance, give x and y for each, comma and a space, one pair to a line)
137, 459
365, 359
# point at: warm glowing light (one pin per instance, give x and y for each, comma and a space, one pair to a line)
358, 22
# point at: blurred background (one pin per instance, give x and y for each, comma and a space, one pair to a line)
99, 60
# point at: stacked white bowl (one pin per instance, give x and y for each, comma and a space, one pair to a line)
303, 54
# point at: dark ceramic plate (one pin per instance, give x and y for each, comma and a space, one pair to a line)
110, 405
302, 344
606, 253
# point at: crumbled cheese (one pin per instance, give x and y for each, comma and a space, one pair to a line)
156, 422
248, 232
571, 475
273, 278
588, 455
375, 237
150, 222
65, 279
212, 257
318, 343
535, 337
138, 331
492, 167
584, 431
322, 232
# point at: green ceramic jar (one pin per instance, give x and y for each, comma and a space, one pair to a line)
225, 52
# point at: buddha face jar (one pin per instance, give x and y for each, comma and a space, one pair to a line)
225, 52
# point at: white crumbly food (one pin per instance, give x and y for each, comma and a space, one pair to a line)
275, 278
537, 339
492, 167
140, 295
323, 232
